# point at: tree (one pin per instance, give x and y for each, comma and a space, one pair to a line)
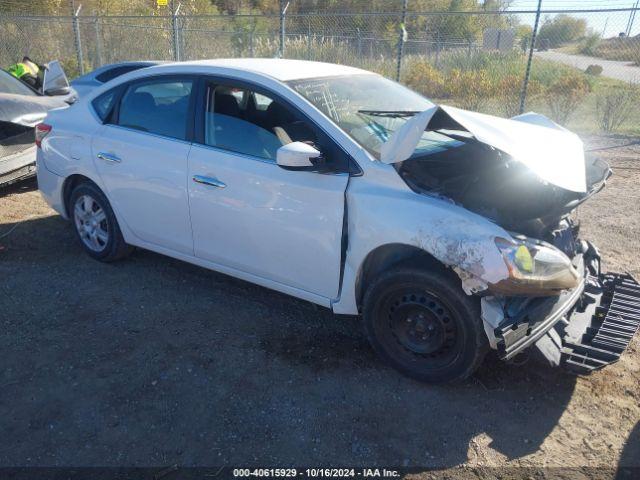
524, 34
562, 29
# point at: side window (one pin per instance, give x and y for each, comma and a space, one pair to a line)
104, 103
257, 126
157, 106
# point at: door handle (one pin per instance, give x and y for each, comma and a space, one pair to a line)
212, 182
109, 157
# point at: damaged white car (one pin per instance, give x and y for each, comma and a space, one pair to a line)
21, 109
449, 231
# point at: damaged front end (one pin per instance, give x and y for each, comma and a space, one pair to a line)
18, 118
584, 328
17, 152
19, 114
527, 175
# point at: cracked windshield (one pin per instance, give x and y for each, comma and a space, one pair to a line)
370, 109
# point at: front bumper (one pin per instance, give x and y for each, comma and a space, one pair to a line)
583, 329
602, 325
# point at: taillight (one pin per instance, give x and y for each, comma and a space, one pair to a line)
42, 130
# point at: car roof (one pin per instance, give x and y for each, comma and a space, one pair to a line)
280, 69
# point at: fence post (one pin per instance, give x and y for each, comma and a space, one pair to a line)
309, 40
523, 96
98, 30
174, 32
401, 39
77, 39
283, 12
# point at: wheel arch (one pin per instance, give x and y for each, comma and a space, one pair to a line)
387, 256
71, 182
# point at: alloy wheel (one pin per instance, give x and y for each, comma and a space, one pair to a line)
91, 223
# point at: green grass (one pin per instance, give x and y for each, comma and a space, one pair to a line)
619, 49
543, 74
623, 49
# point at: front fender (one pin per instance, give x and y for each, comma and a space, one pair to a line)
382, 215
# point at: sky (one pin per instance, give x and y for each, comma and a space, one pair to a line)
611, 23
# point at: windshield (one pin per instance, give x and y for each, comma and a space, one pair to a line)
370, 108
10, 84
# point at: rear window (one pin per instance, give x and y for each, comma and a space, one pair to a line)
116, 72
158, 106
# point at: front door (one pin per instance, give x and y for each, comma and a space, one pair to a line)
142, 160
248, 213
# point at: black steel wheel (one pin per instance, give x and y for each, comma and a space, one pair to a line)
423, 324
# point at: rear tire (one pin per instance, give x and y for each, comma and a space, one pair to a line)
95, 224
423, 324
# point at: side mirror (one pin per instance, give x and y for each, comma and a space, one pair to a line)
55, 81
298, 156
57, 91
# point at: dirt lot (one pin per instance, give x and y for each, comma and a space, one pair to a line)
153, 362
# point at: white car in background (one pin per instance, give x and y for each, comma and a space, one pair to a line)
448, 231
101, 75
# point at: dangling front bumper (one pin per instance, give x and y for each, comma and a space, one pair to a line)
583, 329
602, 324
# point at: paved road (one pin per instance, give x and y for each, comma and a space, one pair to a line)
624, 71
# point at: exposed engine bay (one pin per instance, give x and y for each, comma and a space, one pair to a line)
21, 109
16, 142
14, 138
584, 325
493, 184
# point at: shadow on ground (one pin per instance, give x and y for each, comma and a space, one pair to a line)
152, 361
629, 464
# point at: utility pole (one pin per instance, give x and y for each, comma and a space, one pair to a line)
523, 96
632, 18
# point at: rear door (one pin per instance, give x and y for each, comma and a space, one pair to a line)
250, 214
141, 156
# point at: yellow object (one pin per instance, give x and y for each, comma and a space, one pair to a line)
21, 69
161, 3
523, 259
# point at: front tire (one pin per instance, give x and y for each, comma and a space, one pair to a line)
423, 324
95, 224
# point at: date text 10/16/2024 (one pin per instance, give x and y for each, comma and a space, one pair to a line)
316, 473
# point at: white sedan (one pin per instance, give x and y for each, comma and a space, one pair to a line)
449, 231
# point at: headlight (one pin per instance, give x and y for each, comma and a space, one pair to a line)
535, 268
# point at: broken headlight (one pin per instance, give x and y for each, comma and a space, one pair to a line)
535, 268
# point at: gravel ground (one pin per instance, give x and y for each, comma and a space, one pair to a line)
154, 362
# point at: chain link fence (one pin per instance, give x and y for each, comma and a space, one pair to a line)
584, 69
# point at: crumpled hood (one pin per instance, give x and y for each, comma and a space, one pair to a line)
555, 154
27, 110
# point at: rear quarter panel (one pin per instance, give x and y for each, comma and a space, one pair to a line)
67, 149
